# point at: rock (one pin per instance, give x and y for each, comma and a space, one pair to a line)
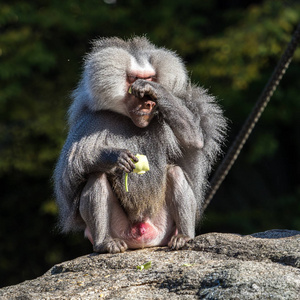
212, 266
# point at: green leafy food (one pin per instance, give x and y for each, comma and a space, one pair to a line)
145, 266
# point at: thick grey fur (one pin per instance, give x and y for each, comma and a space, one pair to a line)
99, 132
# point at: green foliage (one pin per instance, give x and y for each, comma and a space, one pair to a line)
241, 51
230, 47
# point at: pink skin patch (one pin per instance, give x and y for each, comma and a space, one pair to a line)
87, 234
134, 75
137, 232
142, 230
157, 231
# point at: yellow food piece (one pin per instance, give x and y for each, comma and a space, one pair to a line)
142, 166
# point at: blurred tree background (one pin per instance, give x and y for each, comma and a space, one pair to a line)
230, 47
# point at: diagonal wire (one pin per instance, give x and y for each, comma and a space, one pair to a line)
248, 126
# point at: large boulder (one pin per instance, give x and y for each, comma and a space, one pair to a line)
213, 266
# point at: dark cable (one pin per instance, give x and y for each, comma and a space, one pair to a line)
248, 126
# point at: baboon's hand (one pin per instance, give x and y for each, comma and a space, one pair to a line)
122, 160
143, 88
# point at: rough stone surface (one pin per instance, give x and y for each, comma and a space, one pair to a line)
213, 266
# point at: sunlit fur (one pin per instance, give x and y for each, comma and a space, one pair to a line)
103, 86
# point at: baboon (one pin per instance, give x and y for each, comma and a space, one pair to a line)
134, 97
